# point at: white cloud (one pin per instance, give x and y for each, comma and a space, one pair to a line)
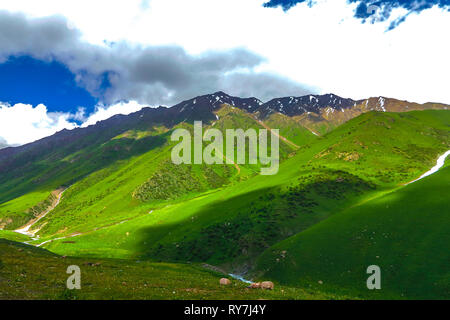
323, 46
3, 143
23, 123
103, 113
148, 74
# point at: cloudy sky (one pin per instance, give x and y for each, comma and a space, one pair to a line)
68, 63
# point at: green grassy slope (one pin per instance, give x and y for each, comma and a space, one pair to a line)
405, 232
31, 273
22, 189
124, 209
13, 236
290, 129
388, 148
133, 187
19, 211
117, 178
295, 134
231, 226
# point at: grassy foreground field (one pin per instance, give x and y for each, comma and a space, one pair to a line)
27, 272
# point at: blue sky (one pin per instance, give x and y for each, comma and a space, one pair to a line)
27, 80
63, 65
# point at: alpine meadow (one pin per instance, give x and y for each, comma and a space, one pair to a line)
224, 158
109, 197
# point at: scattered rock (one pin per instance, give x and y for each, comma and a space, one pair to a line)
255, 285
267, 285
225, 282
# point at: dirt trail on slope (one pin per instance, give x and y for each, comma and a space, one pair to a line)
313, 132
266, 127
224, 156
276, 134
85, 233
26, 228
234, 163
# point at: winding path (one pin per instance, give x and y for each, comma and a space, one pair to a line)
83, 233
224, 156
277, 134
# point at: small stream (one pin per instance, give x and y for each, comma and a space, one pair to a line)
439, 164
26, 230
240, 278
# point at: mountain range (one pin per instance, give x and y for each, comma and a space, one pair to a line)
318, 113
340, 202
